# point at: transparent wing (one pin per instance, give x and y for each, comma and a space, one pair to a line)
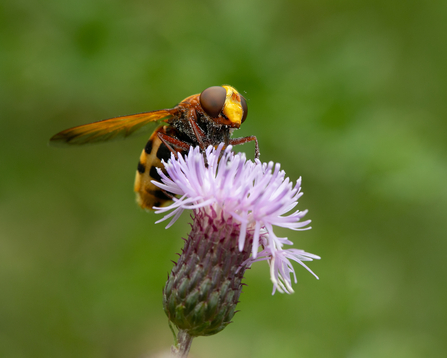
110, 129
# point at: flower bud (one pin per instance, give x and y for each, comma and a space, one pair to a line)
203, 288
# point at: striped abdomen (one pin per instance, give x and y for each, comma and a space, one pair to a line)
149, 195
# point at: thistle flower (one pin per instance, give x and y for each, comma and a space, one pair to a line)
236, 203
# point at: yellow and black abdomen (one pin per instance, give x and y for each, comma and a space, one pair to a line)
149, 195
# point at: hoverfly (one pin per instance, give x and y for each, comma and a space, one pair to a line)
202, 119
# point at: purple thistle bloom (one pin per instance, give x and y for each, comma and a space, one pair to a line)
254, 196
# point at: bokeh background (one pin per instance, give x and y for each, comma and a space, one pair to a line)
350, 95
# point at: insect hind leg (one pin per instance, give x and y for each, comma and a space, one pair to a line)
171, 143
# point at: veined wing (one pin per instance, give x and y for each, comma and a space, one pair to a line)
109, 129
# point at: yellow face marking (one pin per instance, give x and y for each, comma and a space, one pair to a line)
232, 107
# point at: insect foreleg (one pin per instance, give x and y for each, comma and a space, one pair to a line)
242, 140
198, 132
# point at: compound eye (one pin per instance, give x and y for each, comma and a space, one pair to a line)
244, 108
212, 100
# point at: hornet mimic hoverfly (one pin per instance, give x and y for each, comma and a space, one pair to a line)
202, 119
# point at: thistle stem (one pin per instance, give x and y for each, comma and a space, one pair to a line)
184, 341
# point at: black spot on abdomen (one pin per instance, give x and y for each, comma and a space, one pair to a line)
141, 168
163, 152
148, 147
153, 172
159, 194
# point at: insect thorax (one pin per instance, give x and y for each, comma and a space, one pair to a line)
215, 133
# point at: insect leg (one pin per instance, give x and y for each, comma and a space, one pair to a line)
198, 132
242, 140
171, 142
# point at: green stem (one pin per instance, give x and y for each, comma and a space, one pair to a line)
183, 345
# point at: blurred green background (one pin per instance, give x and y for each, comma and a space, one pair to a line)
350, 95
